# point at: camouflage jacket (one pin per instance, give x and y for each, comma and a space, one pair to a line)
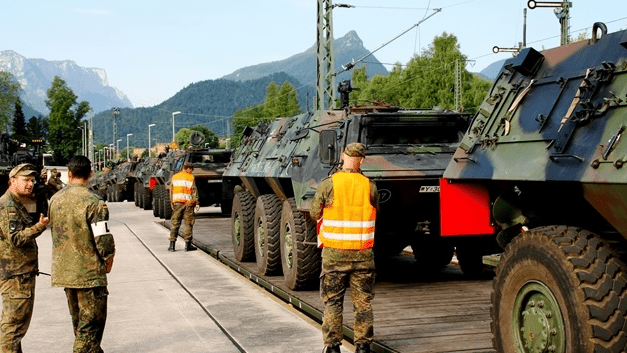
78, 258
324, 198
18, 248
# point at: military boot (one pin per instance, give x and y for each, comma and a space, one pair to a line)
362, 348
333, 349
171, 248
189, 246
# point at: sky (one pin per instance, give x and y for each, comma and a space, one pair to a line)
153, 49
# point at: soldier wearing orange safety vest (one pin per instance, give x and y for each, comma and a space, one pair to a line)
347, 203
184, 196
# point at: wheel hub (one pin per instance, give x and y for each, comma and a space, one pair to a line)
538, 323
261, 236
289, 259
237, 226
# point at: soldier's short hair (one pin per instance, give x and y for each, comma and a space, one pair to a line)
80, 167
188, 165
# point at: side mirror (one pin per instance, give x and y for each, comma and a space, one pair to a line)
328, 146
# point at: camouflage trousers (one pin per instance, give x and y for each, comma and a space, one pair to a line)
335, 278
181, 211
18, 298
88, 308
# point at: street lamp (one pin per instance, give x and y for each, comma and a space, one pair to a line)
173, 114
149, 126
111, 151
128, 152
117, 146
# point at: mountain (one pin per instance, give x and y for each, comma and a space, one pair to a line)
490, 72
303, 66
211, 103
36, 75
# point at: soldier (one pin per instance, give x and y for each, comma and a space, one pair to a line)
184, 196
54, 183
82, 254
18, 257
346, 204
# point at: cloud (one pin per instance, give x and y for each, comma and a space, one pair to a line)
94, 12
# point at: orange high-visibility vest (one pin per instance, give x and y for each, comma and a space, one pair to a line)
349, 223
182, 183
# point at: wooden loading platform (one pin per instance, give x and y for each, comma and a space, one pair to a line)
415, 312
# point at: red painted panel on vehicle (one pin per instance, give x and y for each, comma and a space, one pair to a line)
464, 209
153, 182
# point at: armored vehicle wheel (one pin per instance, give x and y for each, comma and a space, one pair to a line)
136, 193
559, 289
300, 261
470, 258
242, 220
161, 201
146, 199
266, 230
155, 200
167, 203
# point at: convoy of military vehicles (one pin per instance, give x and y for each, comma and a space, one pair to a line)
534, 175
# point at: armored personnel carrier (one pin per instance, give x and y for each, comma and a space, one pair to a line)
209, 165
541, 169
141, 189
119, 182
274, 174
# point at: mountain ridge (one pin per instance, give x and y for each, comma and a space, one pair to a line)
36, 75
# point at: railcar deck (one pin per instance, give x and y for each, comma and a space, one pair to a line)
415, 312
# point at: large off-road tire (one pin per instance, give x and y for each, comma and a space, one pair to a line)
242, 221
300, 261
559, 289
266, 234
146, 199
167, 203
162, 203
156, 202
136, 193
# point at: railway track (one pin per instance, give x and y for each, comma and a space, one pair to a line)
415, 312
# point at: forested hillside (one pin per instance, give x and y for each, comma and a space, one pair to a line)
210, 103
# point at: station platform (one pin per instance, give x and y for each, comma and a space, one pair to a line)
170, 302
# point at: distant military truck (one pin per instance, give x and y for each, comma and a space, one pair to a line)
274, 174
542, 170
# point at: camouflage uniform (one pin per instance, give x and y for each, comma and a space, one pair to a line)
341, 268
81, 260
18, 268
54, 183
184, 211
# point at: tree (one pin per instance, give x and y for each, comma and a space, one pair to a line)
211, 139
426, 81
9, 90
64, 120
20, 132
36, 129
271, 105
288, 100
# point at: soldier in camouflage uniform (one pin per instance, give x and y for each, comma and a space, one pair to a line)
184, 196
82, 254
18, 257
54, 183
346, 204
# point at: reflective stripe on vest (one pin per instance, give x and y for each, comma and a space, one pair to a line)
182, 188
349, 223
